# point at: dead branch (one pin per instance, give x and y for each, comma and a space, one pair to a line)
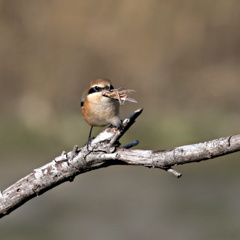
104, 151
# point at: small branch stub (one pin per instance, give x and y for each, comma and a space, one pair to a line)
174, 172
105, 151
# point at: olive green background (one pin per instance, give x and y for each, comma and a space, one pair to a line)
182, 57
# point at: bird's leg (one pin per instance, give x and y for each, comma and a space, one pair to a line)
89, 137
90, 134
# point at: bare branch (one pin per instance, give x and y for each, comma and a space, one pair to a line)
104, 151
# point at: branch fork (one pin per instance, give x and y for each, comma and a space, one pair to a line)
105, 151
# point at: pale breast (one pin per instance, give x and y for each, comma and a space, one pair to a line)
101, 111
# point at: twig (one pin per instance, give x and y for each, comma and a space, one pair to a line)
104, 152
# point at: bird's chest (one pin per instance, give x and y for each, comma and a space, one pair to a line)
100, 111
104, 108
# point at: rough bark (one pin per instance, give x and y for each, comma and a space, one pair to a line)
104, 151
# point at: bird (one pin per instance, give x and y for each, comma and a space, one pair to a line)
97, 109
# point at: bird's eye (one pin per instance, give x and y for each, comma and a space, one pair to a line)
95, 89
110, 87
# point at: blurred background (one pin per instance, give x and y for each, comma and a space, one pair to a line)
182, 57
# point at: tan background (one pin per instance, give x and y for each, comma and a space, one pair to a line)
182, 57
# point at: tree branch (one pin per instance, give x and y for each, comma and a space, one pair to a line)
104, 151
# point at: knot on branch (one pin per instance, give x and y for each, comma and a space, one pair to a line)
104, 151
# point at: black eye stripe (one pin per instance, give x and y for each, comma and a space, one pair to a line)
99, 89
95, 89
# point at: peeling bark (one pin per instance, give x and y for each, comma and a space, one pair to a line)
104, 151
